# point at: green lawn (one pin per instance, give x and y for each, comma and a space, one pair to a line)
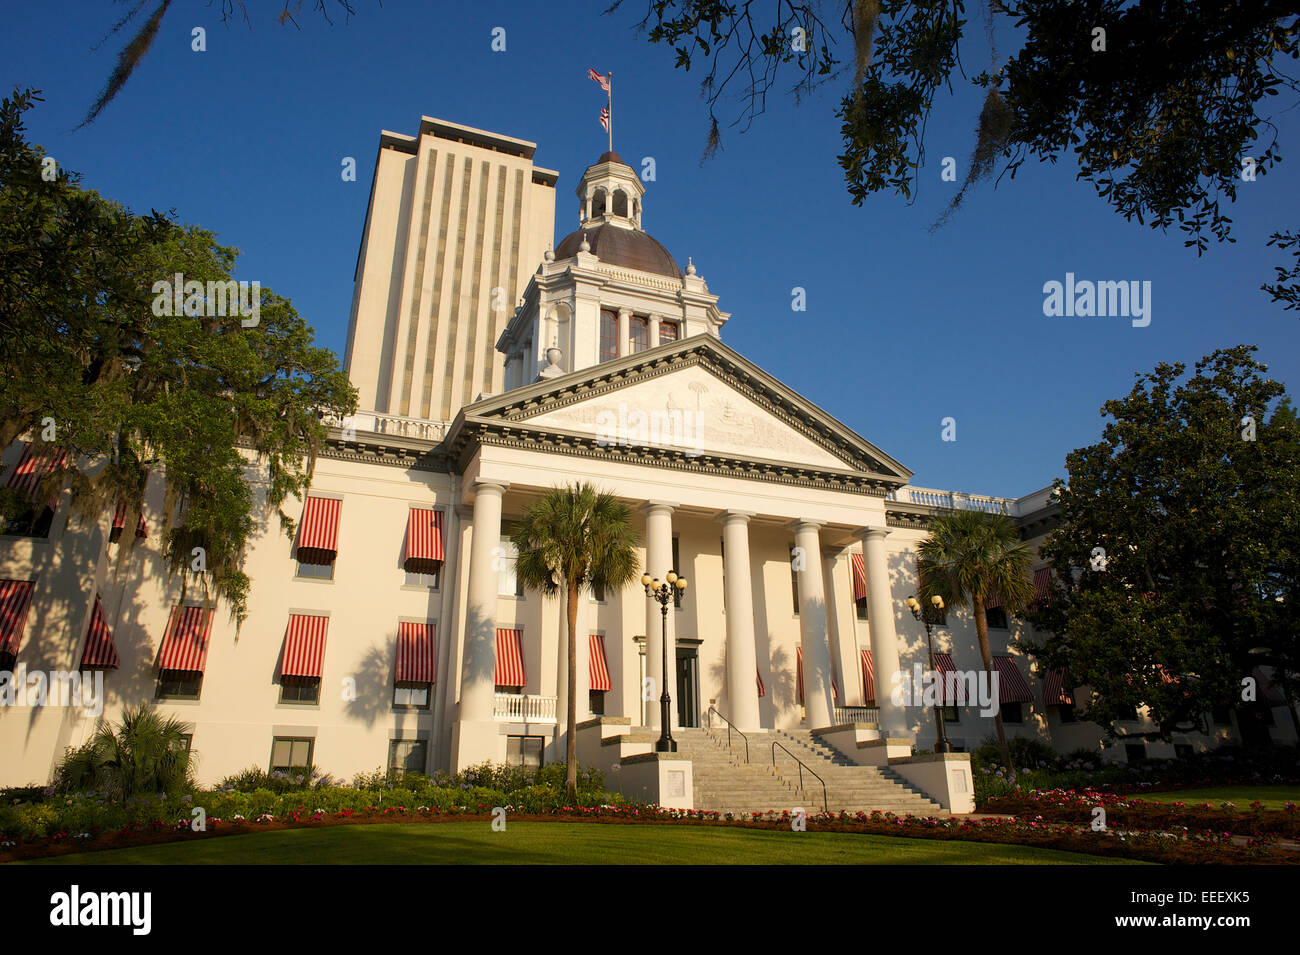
475, 843
1273, 797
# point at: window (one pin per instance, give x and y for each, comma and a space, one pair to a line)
8, 661
597, 702
608, 334
861, 606
184, 744
31, 523
950, 714
299, 689
937, 618
1066, 713
316, 571
996, 618
638, 334
1135, 752
422, 580
1013, 713
179, 684
597, 592
407, 756
677, 568
507, 579
289, 752
411, 696
668, 332
794, 583
524, 750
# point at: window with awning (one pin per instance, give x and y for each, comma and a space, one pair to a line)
1043, 584
859, 577
99, 652
318, 531
598, 666
303, 654
510, 659
1057, 690
1012, 685
185, 645
15, 601
119, 522
416, 663
868, 677
835, 690
943, 662
35, 466
424, 548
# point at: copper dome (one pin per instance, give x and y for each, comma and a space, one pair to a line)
630, 248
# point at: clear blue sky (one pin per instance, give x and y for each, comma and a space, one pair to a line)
903, 327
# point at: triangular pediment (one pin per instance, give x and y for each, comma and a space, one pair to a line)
693, 400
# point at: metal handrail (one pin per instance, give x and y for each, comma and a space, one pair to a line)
802, 767
713, 710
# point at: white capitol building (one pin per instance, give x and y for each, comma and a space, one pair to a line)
391, 630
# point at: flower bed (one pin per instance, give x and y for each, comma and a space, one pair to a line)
1125, 811
1186, 847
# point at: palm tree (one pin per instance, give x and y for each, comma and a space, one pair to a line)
145, 753
968, 558
572, 538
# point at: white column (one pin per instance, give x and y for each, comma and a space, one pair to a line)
653, 340
474, 736
884, 638
624, 316
742, 683
659, 557
478, 667
833, 630
812, 627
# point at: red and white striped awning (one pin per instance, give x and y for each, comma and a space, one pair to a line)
33, 467
119, 521
416, 662
318, 534
835, 690
1042, 584
1012, 686
943, 662
424, 552
99, 652
304, 645
762, 690
15, 599
598, 667
859, 577
993, 602
185, 646
510, 658
868, 677
1055, 691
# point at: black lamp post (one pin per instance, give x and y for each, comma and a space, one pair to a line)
664, 593
941, 745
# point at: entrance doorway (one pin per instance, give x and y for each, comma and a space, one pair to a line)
688, 687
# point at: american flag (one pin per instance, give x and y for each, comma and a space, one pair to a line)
604, 117
604, 83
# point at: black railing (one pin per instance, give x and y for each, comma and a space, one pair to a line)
802, 767
713, 711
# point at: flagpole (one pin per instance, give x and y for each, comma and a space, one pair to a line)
611, 110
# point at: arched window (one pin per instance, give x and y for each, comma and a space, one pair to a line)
638, 334
667, 332
620, 203
608, 334
598, 203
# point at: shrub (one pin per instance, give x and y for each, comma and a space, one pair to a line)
144, 753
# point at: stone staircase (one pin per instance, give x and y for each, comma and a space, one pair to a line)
726, 783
